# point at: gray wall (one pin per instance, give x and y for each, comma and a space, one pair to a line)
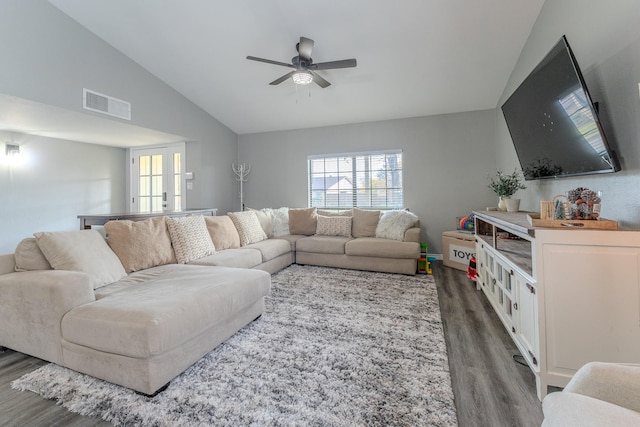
605, 38
55, 181
445, 158
48, 58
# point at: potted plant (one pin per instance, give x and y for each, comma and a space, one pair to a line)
505, 186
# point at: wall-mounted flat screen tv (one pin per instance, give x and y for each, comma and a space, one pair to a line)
554, 124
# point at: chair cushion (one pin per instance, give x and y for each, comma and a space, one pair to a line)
564, 409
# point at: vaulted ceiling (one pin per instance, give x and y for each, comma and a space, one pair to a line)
415, 57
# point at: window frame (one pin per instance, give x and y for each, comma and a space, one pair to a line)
358, 192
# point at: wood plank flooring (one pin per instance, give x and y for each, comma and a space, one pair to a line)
490, 388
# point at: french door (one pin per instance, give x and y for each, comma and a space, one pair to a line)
157, 178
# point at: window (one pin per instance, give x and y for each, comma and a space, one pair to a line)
364, 180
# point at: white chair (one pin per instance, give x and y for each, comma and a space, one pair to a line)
599, 394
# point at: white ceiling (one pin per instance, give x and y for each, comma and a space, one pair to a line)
415, 57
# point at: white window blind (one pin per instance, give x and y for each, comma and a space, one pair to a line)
365, 180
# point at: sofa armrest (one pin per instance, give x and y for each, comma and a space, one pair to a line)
7, 263
32, 306
614, 383
412, 235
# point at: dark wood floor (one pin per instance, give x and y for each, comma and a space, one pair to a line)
490, 388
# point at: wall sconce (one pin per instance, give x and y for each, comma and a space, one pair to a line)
12, 150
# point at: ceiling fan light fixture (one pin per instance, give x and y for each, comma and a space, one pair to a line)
302, 77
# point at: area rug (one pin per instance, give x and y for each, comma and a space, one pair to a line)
333, 348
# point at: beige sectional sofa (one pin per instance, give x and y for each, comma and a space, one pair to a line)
140, 307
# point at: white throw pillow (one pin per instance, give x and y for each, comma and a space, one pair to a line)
393, 224
334, 226
190, 238
280, 220
248, 227
82, 250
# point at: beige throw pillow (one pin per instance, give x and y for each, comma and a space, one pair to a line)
83, 250
334, 226
303, 221
140, 244
222, 231
364, 222
28, 256
190, 238
248, 227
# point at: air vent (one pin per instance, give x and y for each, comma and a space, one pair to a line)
100, 103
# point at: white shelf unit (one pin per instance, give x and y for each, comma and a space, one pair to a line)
566, 296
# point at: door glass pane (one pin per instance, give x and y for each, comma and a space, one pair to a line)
145, 204
145, 165
156, 164
145, 186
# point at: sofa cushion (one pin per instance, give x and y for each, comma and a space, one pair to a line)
239, 258
222, 231
28, 256
190, 238
322, 244
152, 317
393, 224
334, 226
383, 248
271, 248
140, 244
82, 250
248, 227
303, 221
364, 223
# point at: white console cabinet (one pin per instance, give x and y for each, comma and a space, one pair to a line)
566, 296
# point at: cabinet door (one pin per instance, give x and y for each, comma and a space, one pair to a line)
526, 306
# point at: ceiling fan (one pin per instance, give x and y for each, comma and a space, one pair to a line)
304, 67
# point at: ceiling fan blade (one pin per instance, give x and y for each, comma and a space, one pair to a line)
304, 48
268, 61
281, 79
344, 63
320, 81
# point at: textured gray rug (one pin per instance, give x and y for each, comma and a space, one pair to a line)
334, 348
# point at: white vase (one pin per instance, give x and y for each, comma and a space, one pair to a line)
513, 205
502, 205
